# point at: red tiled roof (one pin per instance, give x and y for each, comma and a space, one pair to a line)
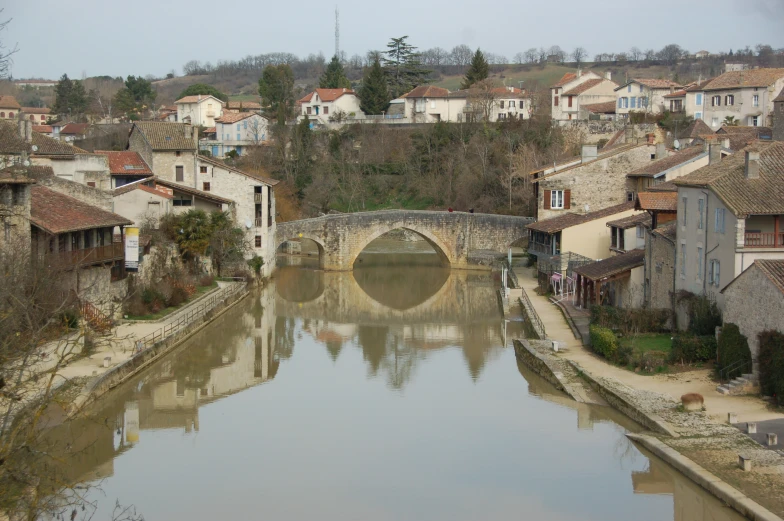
233, 117
126, 162
584, 86
36, 110
613, 265
197, 98
601, 108
667, 231
209, 130
676, 94
9, 102
427, 91
569, 76
56, 213
75, 128
697, 128
327, 94
661, 201
748, 78
250, 105
556, 224
43, 129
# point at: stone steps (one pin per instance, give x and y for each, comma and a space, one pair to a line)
744, 384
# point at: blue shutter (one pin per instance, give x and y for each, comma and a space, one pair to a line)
634, 102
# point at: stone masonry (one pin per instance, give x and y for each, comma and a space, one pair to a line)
341, 238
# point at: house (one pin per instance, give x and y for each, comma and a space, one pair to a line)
236, 131
169, 149
661, 203
738, 137
729, 215
754, 301
675, 165
701, 54
125, 167
615, 281
644, 95
747, 96
46, 130
323, 106
38, 115
592, 181
199, 110
690, 100
242, 106
73, 132
594, 111
778, 119
185, 198
573, 93
509, 103
9, 107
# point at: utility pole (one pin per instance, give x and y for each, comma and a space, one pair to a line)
337, 33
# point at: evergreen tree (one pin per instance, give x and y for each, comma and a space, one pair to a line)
334, 77
374, 94
276, 88
204, 89
69, 97
478, 70
136, 97
404, 70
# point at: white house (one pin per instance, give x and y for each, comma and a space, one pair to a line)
689, 100
745, 95
201, 109
429, 104
643, 95
330, 105
576, 90
236, 131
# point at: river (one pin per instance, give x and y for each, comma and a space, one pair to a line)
389, 393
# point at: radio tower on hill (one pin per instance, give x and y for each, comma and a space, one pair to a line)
337, 32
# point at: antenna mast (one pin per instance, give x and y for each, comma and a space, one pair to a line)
337, 33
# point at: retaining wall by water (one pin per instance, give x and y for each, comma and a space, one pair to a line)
537, 363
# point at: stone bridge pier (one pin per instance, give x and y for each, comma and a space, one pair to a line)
454, 236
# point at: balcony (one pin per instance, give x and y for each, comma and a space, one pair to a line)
87, 257
763, 240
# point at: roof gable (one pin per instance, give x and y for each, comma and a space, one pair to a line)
747, 78
56, 213
652, 83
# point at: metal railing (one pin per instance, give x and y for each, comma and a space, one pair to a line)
533, 316
740, 367
188, 317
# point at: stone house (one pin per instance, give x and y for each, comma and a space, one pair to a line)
673, 166
745, 95
695, 132
9, 107
690, 100
577, 101
591, 182
643, 95
199, 110
169, 149
778, 118
729, 215
125, 167
430, 104
323, 106
563, 110
754, 301
661, 203
236, 131
14, 207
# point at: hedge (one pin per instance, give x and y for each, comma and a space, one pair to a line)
631, 320
733, 349
771, 364
688, 348
603, 341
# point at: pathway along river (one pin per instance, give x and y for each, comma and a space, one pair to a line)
389, 393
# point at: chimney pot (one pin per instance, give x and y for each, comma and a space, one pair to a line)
752, 164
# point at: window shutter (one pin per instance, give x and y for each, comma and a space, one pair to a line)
547, 195
717, 274
567, 199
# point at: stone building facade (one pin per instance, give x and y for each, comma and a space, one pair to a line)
169, 149
659, 268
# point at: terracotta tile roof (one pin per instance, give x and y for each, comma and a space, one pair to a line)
660, 201
613, 265
676, 94
233, 117
660, 166
569, 76
55, 213
36, 110
668, 231
748, 78
601, 108
145, 185
126, 162
193, 191
584, 86
780, 97
774, 270
250, 105
567, 220
11, 143
197, 98
604, 153
164, 135
328, 94
75, 128
696, 86
128, 187
762, 196
9, 102
632, 221
508, 92
697, 128
652, 83
220, 164
209, 130
42, 129
427, 91
668, 186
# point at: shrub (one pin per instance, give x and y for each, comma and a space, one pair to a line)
652, 360
688, 348
255, 264
177, 297
206, 280
734, 353
625, 354
705, 316
631, 320
603, 341
771, 364
136, 307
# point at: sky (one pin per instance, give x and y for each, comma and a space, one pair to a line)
109, 37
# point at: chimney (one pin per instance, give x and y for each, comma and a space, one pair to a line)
590, 152
672, 89
752, 164
28, 135
714, 150
188, 131
661, 151
608, 75
726, 143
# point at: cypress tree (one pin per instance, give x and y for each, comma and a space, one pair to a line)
334, 77
478, 70
374, 94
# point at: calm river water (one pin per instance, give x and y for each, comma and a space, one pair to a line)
389, 393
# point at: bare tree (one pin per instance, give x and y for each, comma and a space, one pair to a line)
482, 99
649, 55
519, 58
531, 55
6, 53
635, 54
542, 55
579, 55
557, 53
461, 55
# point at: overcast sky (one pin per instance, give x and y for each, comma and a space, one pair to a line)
115, 38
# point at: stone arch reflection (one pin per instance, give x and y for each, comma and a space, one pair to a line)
296, 284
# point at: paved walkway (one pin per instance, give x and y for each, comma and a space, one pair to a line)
748, 408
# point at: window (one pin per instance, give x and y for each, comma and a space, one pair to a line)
511, 104
178, 153
698, 115
182, 202
502, 102
555, 101
683, 260
640, 231
91, 183
629, 88
239, 137
729, 100
714, 122
620, 103
700, 210
202, 169
630, 196
2, 114
245, 124
206, 187
754, 120
698, 101
718, 220
11, 115
643, 102
641, 88
699, 262
238, 125
18, 195
716, 101
309, 110
633, 103
257, 241
685, 202
755, 100
557, 199
714, 273
179, 174
626, 103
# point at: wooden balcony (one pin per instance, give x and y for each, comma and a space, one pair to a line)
763, 240
87, 257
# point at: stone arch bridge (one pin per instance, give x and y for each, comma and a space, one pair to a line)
453, 235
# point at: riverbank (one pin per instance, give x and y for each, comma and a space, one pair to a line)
705, 438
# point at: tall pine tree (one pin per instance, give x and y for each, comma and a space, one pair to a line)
334, 76
478, 70
404, 70
69, 97
374, 94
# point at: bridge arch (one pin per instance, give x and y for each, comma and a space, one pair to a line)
437, 244
281, 240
